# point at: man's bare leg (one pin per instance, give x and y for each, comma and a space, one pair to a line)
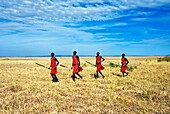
101, 74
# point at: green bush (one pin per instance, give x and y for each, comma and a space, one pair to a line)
159, 59
130, 68
5, 59
166, 58
84, 65
111, 65
114, 65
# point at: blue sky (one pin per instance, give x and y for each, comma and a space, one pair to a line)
112, 27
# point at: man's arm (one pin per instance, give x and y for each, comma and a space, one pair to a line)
102, 59
126, 61
78, 59
56, 61
72, 63
96, 60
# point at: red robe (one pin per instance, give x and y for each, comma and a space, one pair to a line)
123, 68
53, 65
76, 68
99, 66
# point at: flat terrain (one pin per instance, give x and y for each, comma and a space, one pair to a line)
27, 88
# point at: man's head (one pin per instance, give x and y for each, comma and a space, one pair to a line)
74, 52
98, 53
123, 55
52, 54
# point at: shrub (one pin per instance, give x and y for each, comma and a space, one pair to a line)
111, 65
130, 68
114, 65
166, 58
159, 59
5, 59
84, 65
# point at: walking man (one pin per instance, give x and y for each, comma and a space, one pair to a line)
76, 66
99, 59
54, 68
124, 65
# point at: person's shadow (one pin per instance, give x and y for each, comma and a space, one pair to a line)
119, 75
93, 75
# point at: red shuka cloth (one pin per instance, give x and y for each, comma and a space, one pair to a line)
76, 65
53, 65
99, 66
123, 68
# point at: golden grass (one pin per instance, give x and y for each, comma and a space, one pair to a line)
27, 88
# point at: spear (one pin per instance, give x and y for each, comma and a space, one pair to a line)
63, 66
48, 67
90, 63
42, 65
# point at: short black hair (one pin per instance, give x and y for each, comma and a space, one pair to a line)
98, 52
74, 52
123, 54
52, 54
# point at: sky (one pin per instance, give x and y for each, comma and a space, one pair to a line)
112, 27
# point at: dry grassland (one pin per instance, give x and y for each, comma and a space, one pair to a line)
27, 88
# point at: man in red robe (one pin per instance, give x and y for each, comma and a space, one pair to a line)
54, 67
76, 66
98, 64
124, 64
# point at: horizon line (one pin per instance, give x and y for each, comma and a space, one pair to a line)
89, 56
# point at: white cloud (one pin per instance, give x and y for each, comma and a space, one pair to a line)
154, 41
105, 34
109, 39
149, 42
43, 30
120, 24
92, 28
71, 10
139, 19
48, 18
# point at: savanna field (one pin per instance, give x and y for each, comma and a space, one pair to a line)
27, 88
